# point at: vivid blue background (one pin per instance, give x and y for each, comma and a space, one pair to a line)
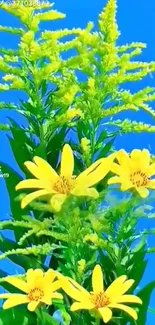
136, 23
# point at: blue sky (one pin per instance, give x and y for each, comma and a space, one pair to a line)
136, 23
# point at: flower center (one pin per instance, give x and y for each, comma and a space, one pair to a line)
64, 185
36, 294
139, 179
99, 300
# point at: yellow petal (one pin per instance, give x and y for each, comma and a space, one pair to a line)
49, 277
142, 156
18, 283
79, 306
57, 200
33, 169
30, 183
116, 169
57, 295
15, 300
32, 306
5, 295
143, 192
129, 299
114, 180
95, 172
72, 291
127, 309
32, 196
151, 170
67, 162
55, 285
79, 287
115, 286
123, 158
126, 186
136, 154
82, 191
106, 314
151, 184
34, 278
97, 279
45, 168
125, 286
145, 155
140, 159
47, 300
38, 274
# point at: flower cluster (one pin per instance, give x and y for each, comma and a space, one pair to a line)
41, 288
133, 172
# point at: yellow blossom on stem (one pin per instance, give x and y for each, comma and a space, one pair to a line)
101, 301
72, 113
85, 144
93, 238
134, 171
59, 187
81, 266
39, 288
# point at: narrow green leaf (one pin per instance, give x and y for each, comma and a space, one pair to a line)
145, 295
105, 150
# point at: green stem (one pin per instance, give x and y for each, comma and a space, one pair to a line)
97, 321
151, 310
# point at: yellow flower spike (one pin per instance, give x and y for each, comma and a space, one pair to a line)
81, 266
99, 300
50, 15
58, 187
85, 144
39, 288
93, 238
134, 171
72, 113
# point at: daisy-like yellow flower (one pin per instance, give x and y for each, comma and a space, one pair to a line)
99, 300
39, 288
58, 187
134, 171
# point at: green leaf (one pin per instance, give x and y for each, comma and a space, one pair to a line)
145, 295
44, 87
6, 285
103, 135
44, 318
105, 150
4, 127
54, 145
23, 148
15, 316
11, 182
138, 263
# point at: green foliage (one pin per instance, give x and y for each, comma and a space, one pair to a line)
145, 295
13, 316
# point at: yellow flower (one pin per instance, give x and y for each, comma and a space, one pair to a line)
101, 301
134, 171
39, 288
58, 187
